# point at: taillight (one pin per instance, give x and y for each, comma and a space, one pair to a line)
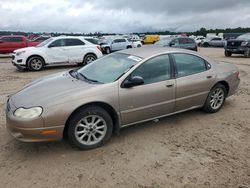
99, 47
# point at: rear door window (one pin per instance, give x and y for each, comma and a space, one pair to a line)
74, 42
187, 64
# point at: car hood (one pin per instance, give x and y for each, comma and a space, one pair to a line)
51, 90
24, 49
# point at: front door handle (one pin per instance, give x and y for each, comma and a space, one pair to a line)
208, 77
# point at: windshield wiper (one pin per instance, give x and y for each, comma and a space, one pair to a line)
124, 72
86, 78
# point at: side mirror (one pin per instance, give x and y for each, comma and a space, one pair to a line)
134, 81
171, 44
51, 46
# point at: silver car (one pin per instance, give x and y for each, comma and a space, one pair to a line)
124, 88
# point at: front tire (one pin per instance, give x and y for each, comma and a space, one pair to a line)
216, 99
90, 128
227, 53
35, 63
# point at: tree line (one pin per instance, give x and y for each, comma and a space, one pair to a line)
202, 31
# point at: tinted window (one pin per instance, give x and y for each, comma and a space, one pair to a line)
154, 70
175, 42
58, 43
190, 41
122, 40
74, 42
116, 41
183, 41
187, 64
217, 39
12, 39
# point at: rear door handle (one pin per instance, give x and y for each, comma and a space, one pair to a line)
169, 85
208, 77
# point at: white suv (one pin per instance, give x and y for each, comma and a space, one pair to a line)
63, 49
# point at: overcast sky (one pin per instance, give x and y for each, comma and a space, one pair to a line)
122, 16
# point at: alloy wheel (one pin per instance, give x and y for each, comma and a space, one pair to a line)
217, 98
90, 130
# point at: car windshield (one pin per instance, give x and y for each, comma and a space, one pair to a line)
244, 37
44, 42
109, 68
165, 41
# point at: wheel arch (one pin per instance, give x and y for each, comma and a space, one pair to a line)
111, 111
225, 84
90, 53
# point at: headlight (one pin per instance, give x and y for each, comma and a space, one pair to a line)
244, 43
28, 113
19, 53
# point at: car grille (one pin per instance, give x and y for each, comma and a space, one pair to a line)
234, 43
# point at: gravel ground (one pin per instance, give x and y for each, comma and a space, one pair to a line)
192, 149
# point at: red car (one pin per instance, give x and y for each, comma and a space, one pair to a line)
38, 40
10, 43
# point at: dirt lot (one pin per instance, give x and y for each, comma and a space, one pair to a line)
192, 149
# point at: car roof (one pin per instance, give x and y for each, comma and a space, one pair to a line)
148, 51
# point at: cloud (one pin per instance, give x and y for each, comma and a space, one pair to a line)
122, 16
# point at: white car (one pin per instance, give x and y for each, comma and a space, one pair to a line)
56, 50
199, 39
136, 43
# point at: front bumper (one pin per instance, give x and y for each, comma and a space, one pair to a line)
30, 130
18, 61
239, 49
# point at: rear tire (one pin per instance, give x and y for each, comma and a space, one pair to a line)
90, 128
35, 63
216, 99
107, 50
129, 47
247, 53
138, 46
227, 53
89, 58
